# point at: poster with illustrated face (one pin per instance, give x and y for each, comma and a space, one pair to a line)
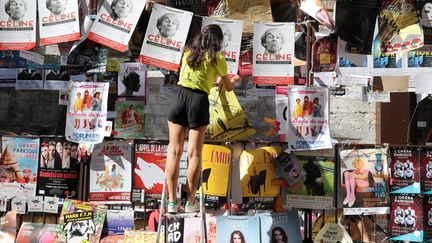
17, 24
165, 37
273, 48
115, 23
87, 112
308, 126
58, 21
232, 31
132, 79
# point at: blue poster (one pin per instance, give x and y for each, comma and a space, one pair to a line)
237, 229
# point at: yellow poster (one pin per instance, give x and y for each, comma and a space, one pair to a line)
227, 119
215, 169
257, 172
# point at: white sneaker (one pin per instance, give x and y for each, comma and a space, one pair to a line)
172, 207
192, 208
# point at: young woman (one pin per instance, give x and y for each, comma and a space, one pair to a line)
279, 235
202, 67
237, 237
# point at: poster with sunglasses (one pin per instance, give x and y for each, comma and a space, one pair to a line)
230, 49
59, 167
115, 23
273, 48
132, 79
165, 37
58, 21
17, 24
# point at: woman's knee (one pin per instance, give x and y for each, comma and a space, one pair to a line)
175, 151
194, 153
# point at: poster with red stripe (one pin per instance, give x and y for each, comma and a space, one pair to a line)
17, 24
165, 37
273, 48
58, 21
115, 23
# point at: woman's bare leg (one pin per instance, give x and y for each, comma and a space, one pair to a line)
195, 145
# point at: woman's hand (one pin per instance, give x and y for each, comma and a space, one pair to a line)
228, 83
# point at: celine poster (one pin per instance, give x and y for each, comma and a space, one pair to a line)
165, 37
130, 119
256, 173
87, 112
237, 229
273, 48
232, 31
280, 227
364, 181
58, 21
111, 172
216, 162
406, 218
308, 126
17, 24
405, 170
149, 166
59, 167
426, 170
115, 23
18, 166
132, 79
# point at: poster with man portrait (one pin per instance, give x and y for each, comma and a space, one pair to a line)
59, 167
273, 48
165, 37
115, 23
308, 123
17, 24
86, 112
132, 79
58, 21
111, 172
232, 31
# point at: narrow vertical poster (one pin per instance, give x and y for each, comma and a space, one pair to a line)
58, 21
132, 79
281, 107
18, 166
425, 8
111, 172
273, 47
87, 112
115, 23
405, 170
165, 37
308, 126
17, 24
130, 119
426, 171
149, 166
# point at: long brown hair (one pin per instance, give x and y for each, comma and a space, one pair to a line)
209, 42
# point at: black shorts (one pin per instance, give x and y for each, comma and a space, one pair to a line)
189, 108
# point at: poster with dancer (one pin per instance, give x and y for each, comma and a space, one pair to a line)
58, 21
364, 181
280, 227
405, 170
228, 121
111, 172
426, 170
132, 79
87, 112
18, 166
237, 229
165, 37
59, 167
273, 48
256, 173
232, 31
17, 24
129, 122
308, 126
149, 166
115, 23
81, 221
216, 162
406, 218
281, 108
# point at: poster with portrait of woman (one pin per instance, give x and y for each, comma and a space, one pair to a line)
111, 172
232, 31
130, 119
237, 229
58, 21
132, 79
364, 181
273, 58
425, 8
86, 112
308, 126
17, 24
280, 227
115, 23
165, 37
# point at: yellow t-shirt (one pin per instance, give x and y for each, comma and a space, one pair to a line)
202, 77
